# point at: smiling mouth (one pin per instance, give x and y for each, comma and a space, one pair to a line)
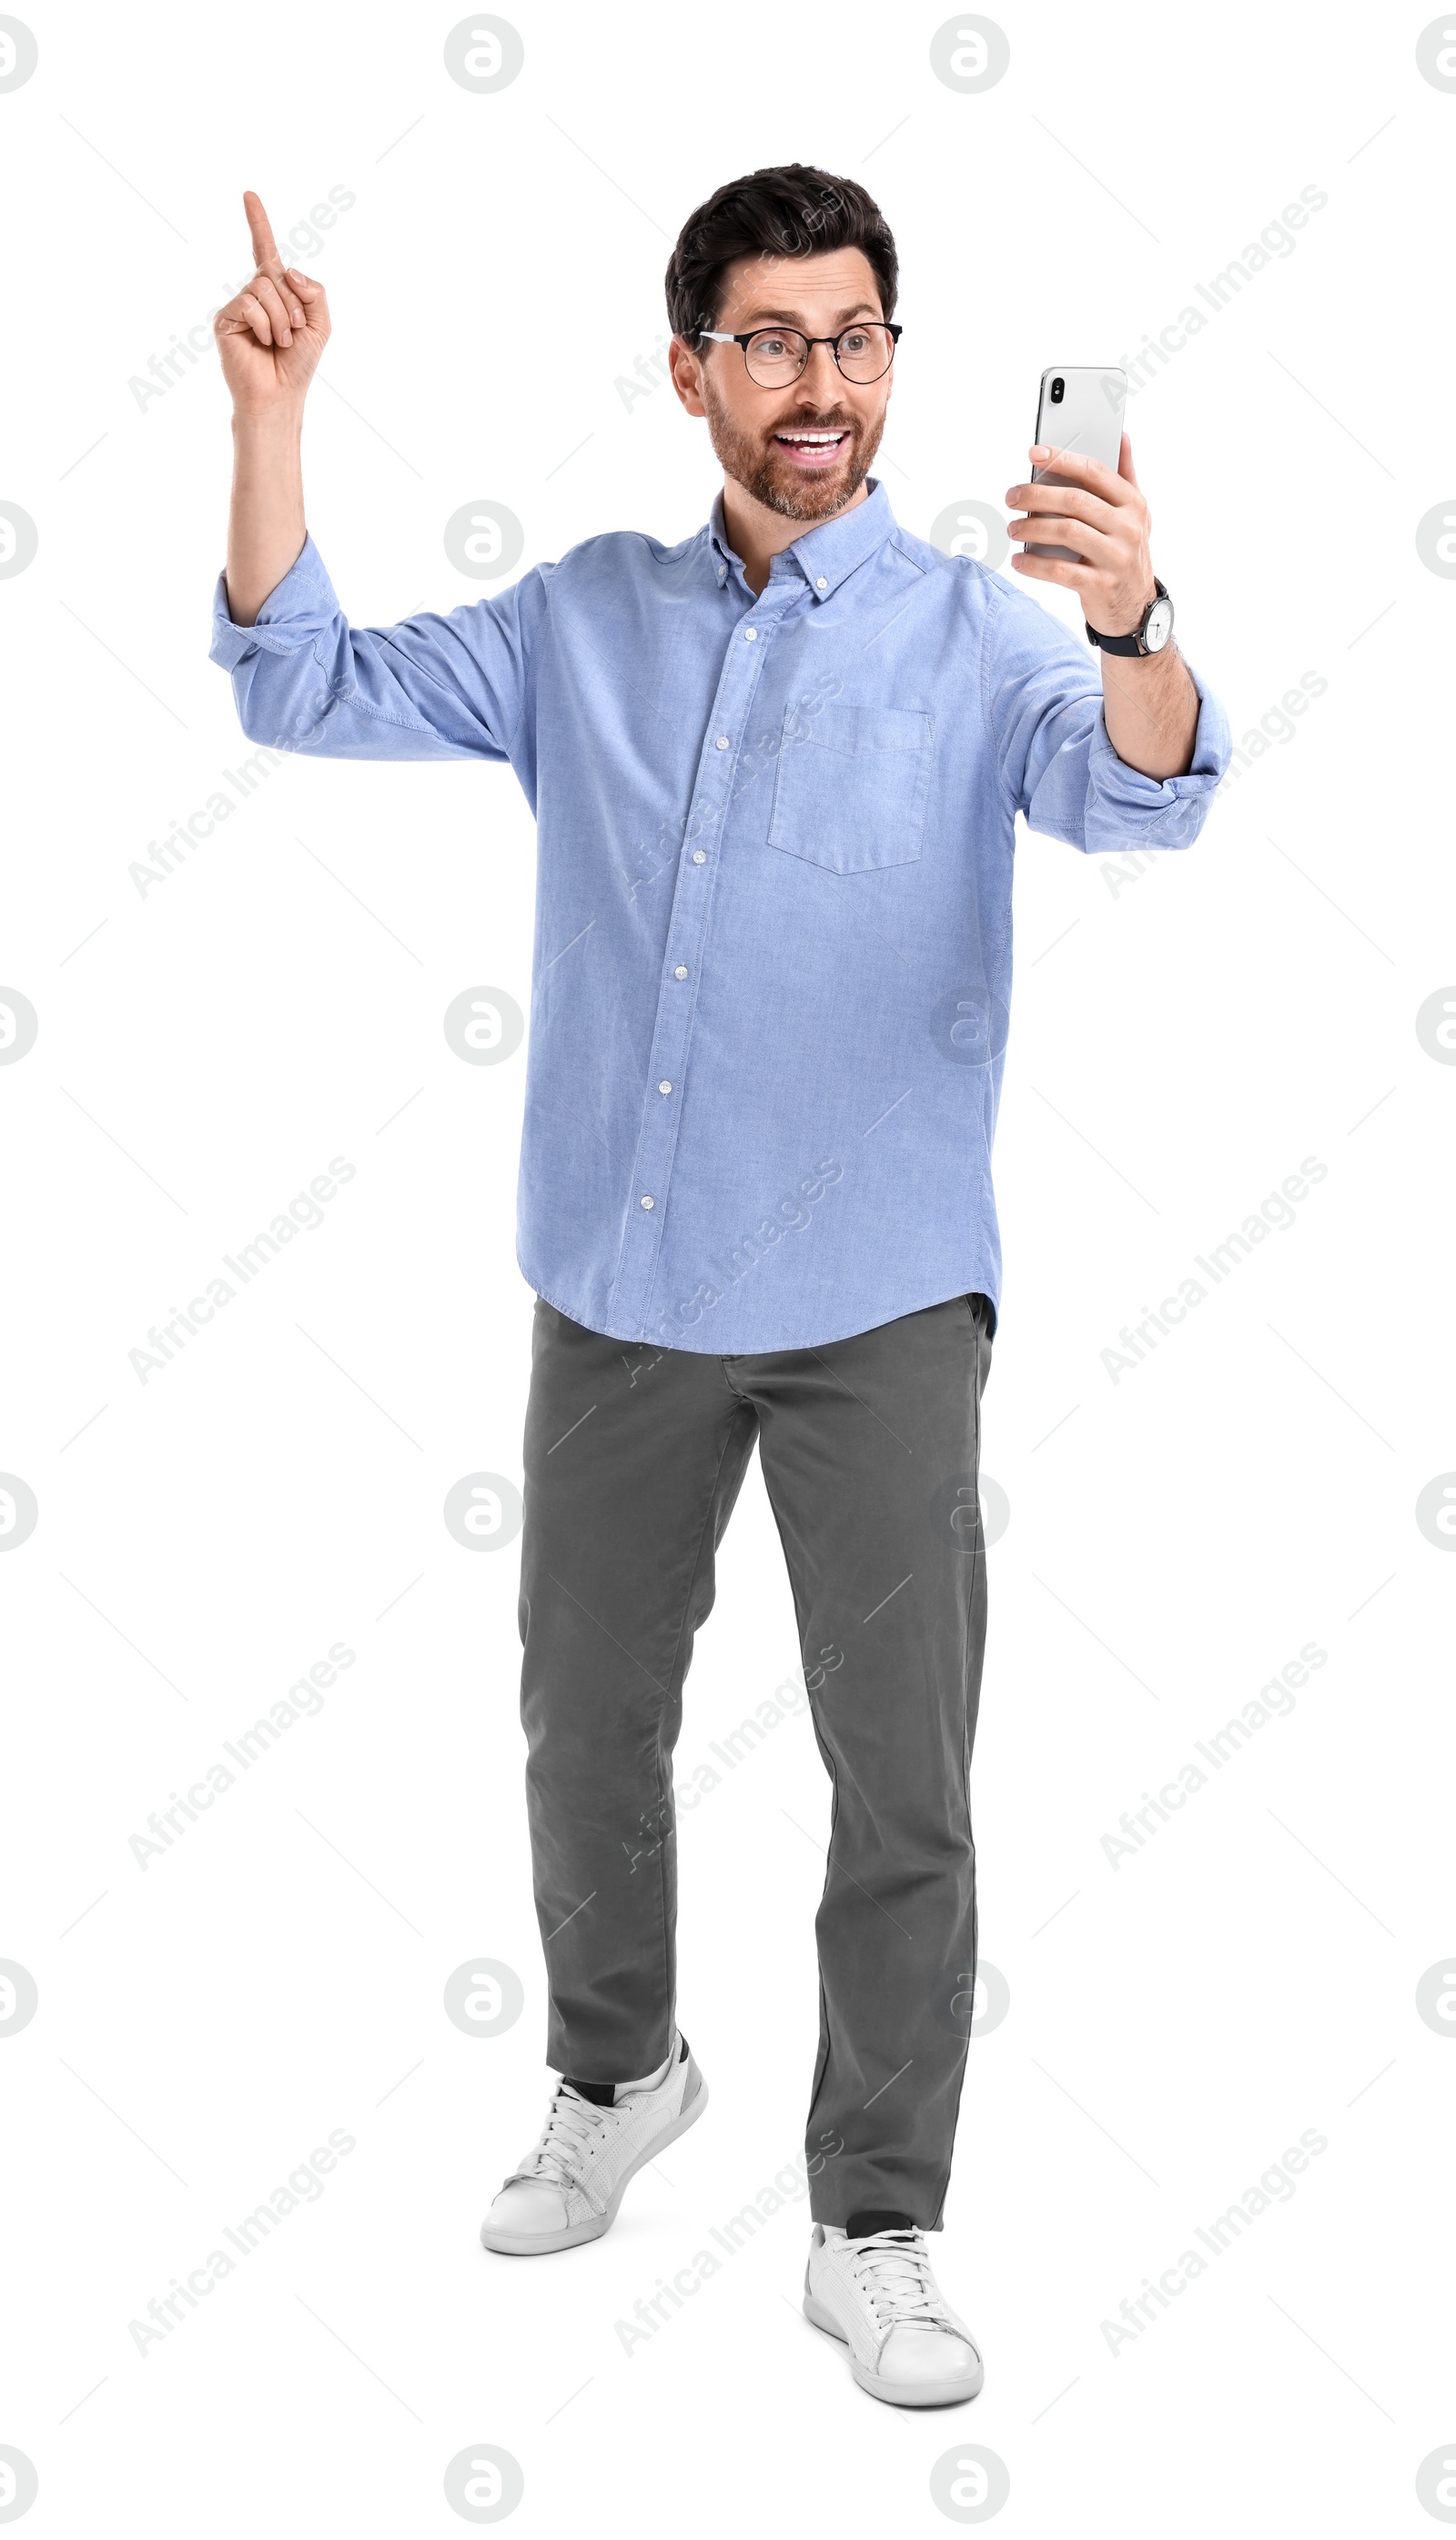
814, 448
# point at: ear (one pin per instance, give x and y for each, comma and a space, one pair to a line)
685, 370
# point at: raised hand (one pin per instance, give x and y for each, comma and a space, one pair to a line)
269, 339
1150, 706
1102, 516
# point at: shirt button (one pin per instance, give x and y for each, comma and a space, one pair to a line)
821, 583
722, 741
698, 856
667, 1085
750, 634
680, 973
648, 1202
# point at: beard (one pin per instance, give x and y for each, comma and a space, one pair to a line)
755, 463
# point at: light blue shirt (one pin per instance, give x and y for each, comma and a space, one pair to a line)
772, 972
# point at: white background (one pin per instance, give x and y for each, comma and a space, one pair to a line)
1179, 1043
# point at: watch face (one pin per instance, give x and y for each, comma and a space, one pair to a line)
1159, 625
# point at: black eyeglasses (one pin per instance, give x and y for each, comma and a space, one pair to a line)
776, 356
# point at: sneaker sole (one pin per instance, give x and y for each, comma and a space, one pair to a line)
538, 2244
896, 2394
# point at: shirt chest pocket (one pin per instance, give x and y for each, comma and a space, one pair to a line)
851, 786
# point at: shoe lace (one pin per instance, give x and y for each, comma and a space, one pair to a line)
894, 2269
572, 2132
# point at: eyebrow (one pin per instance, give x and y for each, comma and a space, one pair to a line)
795, 317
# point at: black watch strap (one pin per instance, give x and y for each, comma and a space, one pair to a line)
1131, 646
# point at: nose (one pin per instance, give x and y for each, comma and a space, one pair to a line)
821, 376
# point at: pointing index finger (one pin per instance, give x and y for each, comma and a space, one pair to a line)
264, 246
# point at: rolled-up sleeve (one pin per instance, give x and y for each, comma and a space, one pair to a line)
1044, 703
453, 687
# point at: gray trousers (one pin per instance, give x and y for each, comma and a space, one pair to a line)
871, 1448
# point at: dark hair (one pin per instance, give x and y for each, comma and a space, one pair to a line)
775, 212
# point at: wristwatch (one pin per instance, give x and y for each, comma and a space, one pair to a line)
1153, 630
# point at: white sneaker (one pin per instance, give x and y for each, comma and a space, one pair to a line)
568, 2190
879, 2298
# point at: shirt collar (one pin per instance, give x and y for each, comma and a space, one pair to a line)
824, 556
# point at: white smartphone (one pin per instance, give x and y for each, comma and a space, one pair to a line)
1079, 410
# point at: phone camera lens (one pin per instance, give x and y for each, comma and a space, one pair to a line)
1059, 390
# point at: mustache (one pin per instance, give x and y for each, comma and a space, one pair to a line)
813, 423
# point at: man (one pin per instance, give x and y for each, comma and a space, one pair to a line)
775, 769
